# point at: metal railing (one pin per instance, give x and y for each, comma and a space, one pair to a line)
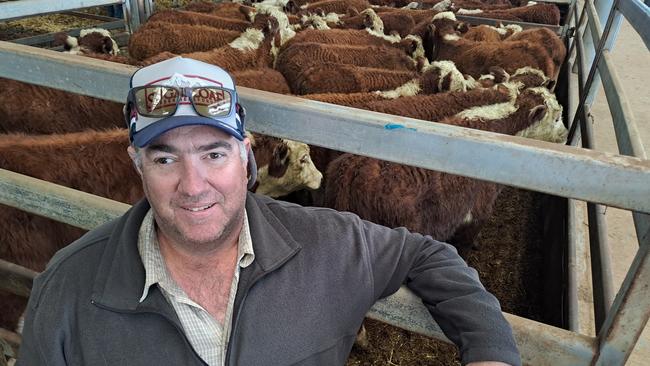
540, 166
136, 12
619, 317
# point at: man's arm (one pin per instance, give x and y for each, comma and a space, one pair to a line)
468, 315
40, 334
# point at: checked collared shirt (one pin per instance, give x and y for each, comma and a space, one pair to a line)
208, 338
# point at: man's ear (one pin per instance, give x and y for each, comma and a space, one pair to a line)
247, 143
134, 158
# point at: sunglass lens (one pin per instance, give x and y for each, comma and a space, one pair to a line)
156, 101
212, 102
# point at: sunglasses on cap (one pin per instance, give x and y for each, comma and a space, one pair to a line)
159, 101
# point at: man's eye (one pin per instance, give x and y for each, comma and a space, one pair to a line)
163, 161
215, 155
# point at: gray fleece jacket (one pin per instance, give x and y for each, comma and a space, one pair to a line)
315, 275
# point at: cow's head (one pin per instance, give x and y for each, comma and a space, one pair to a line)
284, 166
546, 118
90, 41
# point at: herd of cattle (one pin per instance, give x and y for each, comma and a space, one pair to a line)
413, 59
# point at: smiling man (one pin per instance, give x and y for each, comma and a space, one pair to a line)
203, 272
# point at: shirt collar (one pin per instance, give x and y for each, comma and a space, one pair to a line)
154, 263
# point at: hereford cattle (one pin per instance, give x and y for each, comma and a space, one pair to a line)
340, 78
96, 162
265, 78
547, 39
230, 10
155, 37
37, 109
192, 18
435, 107
537, 13
447, 207
93, 40
328, 6
251, 50
476, 58
299, 56
284, 166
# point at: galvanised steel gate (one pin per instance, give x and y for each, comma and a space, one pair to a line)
614, 180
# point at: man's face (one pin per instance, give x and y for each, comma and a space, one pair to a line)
195, 181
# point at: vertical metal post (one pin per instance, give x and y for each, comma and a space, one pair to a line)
137, 12
611, 35
629, 313
603, 287
594, 23
602, 8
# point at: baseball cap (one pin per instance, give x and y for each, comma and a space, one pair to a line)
181, 92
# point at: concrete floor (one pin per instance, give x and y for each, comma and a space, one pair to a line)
632, 60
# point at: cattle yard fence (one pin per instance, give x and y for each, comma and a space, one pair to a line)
614, 180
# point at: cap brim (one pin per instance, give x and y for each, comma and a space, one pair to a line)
146, 135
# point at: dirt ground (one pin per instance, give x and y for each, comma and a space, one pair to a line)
509, 260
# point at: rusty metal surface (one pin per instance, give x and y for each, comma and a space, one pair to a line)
16, 279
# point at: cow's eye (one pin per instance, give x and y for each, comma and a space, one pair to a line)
304, 159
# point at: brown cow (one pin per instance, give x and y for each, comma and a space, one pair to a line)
445, 206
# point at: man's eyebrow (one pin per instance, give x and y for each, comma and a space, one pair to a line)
203, 148
215, 145
161, 148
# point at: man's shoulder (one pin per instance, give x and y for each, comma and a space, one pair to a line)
75, 263
93, 239
291, 211
298, 220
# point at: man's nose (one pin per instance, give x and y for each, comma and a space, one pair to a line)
193, 180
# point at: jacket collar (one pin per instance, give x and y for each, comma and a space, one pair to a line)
120, 276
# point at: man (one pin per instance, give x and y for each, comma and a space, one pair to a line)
203, 272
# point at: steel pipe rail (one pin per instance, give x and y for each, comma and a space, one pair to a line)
638, 14
25, 8
16, 279
602, 283
540, 166
539, 344
45, 38
627, 135
57, 202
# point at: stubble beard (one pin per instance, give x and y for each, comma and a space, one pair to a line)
229, 232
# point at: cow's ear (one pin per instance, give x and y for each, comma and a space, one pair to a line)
550, 84
537, 113
367, 20
107, 45
280, 160
431, 29
59, 39
499, 73
291, 7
